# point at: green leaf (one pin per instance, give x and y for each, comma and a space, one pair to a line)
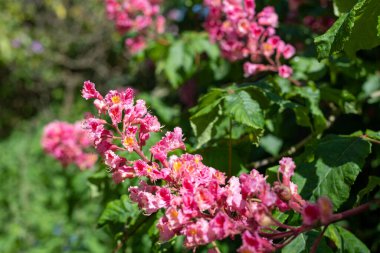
371, 89
304, 242
317, 121
344, 99
347, 34
373, 135
343, 6
373, 182
205, 115
217, 157
174, 62
243, 109
307, 68
345, 241
330, 167
271, 144
122, 210
296, 246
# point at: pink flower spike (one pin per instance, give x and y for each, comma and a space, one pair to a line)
285, 71
89, 91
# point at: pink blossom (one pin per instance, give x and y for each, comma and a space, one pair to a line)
288, 51
112, 160
253, 243
142, 17
196, 233
242, 34
89, 91
285, 71
234, 198
268, 17
287, 167
122, 173
196, 200
311, 214
68, 143
221, 226
171, 141
166, 233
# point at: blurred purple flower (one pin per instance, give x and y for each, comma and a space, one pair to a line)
176, 15
16, 43
37, 47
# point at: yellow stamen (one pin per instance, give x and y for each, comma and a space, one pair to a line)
115, 99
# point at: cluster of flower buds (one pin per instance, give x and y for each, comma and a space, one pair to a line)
198, 201
318, 24
140, 18
243, 34
67, 143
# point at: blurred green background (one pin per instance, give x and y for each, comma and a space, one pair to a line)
47, 49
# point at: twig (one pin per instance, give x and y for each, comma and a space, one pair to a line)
290, 151
215, 247
127, 235
365, 137
140, 153
314, 248
230, 150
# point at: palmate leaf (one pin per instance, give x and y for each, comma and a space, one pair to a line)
304, 242
330, 167
243, 109
122, 210
205, 115
373, 135
309, 114
373, 182
345, 241
348, 34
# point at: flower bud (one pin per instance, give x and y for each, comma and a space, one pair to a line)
283, 192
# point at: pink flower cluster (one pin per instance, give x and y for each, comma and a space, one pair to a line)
67, 143
198, 201
244, 34
139, 17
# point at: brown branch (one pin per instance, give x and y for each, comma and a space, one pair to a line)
290, 151
314, 248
